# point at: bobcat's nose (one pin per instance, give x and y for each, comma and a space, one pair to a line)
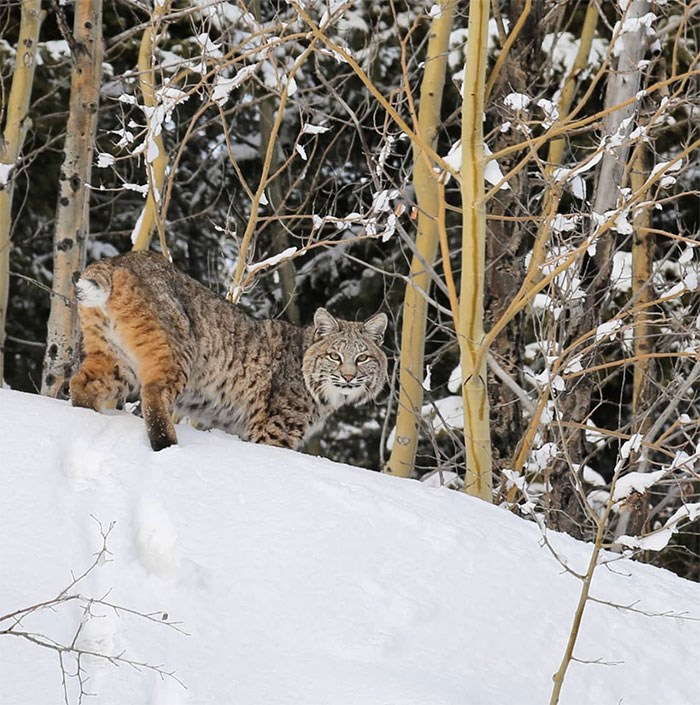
348, 373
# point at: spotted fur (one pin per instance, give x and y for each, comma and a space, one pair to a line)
150, 329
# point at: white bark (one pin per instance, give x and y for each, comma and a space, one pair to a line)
72, 216
11, 143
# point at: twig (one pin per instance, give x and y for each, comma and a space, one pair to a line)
73, 648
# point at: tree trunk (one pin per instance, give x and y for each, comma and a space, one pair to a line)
567, 512
72, 217
623, 85
11, 144
415, 307
478, 478
278, 237
555, 152
633, 513
643, 294
550, 202
157, 163
507, 241
235, 290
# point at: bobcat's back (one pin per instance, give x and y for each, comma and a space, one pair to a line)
148, 327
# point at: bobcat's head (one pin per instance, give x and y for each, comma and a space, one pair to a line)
344, 364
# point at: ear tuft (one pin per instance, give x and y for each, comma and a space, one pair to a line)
376, 326
324, 323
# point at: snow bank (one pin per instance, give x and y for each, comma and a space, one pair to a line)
300, 581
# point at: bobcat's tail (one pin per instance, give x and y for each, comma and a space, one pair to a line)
95, 285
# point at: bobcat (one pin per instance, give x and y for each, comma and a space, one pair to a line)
148, 327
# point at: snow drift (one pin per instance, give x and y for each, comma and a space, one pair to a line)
295, 580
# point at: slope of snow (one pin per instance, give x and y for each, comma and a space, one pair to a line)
303, 582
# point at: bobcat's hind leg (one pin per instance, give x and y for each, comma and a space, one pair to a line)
160, 386
162, 380
156, 414
150, 338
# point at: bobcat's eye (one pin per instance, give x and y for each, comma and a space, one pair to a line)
334, 357
362, 357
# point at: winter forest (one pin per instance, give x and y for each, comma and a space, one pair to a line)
515, 183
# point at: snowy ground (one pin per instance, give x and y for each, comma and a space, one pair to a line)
300, 581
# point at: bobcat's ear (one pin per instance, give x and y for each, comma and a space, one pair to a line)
376, 326
324, 323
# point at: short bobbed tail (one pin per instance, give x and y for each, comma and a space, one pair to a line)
90, 294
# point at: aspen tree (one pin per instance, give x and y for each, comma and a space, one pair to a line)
259, 195
276, 198
634, 512
566, 97
156, 165
428, 195
643, 294
623, 82
507, 235
478, 479
11, 141
72, 216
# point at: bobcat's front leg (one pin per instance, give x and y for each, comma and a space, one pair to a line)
277, 428
98, 383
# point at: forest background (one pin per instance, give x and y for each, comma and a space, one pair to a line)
532, 243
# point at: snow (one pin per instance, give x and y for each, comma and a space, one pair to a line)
639, 26
428, 379
310, 129
636, 482
5, 170
273, 261
563, 48
550, 110
492, 171
572, 175
445, 413
621, 276
455, 381
381, 200
666, 168
152, 150
301, 151
126, 98
297, 581
659, 538
517, 101
137, 227
632, 444
565, 223
57, 50
221, 14
608, 329
139, 188
104, 160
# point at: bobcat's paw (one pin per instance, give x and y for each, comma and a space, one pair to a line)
162, 442
85, 392
161, 434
